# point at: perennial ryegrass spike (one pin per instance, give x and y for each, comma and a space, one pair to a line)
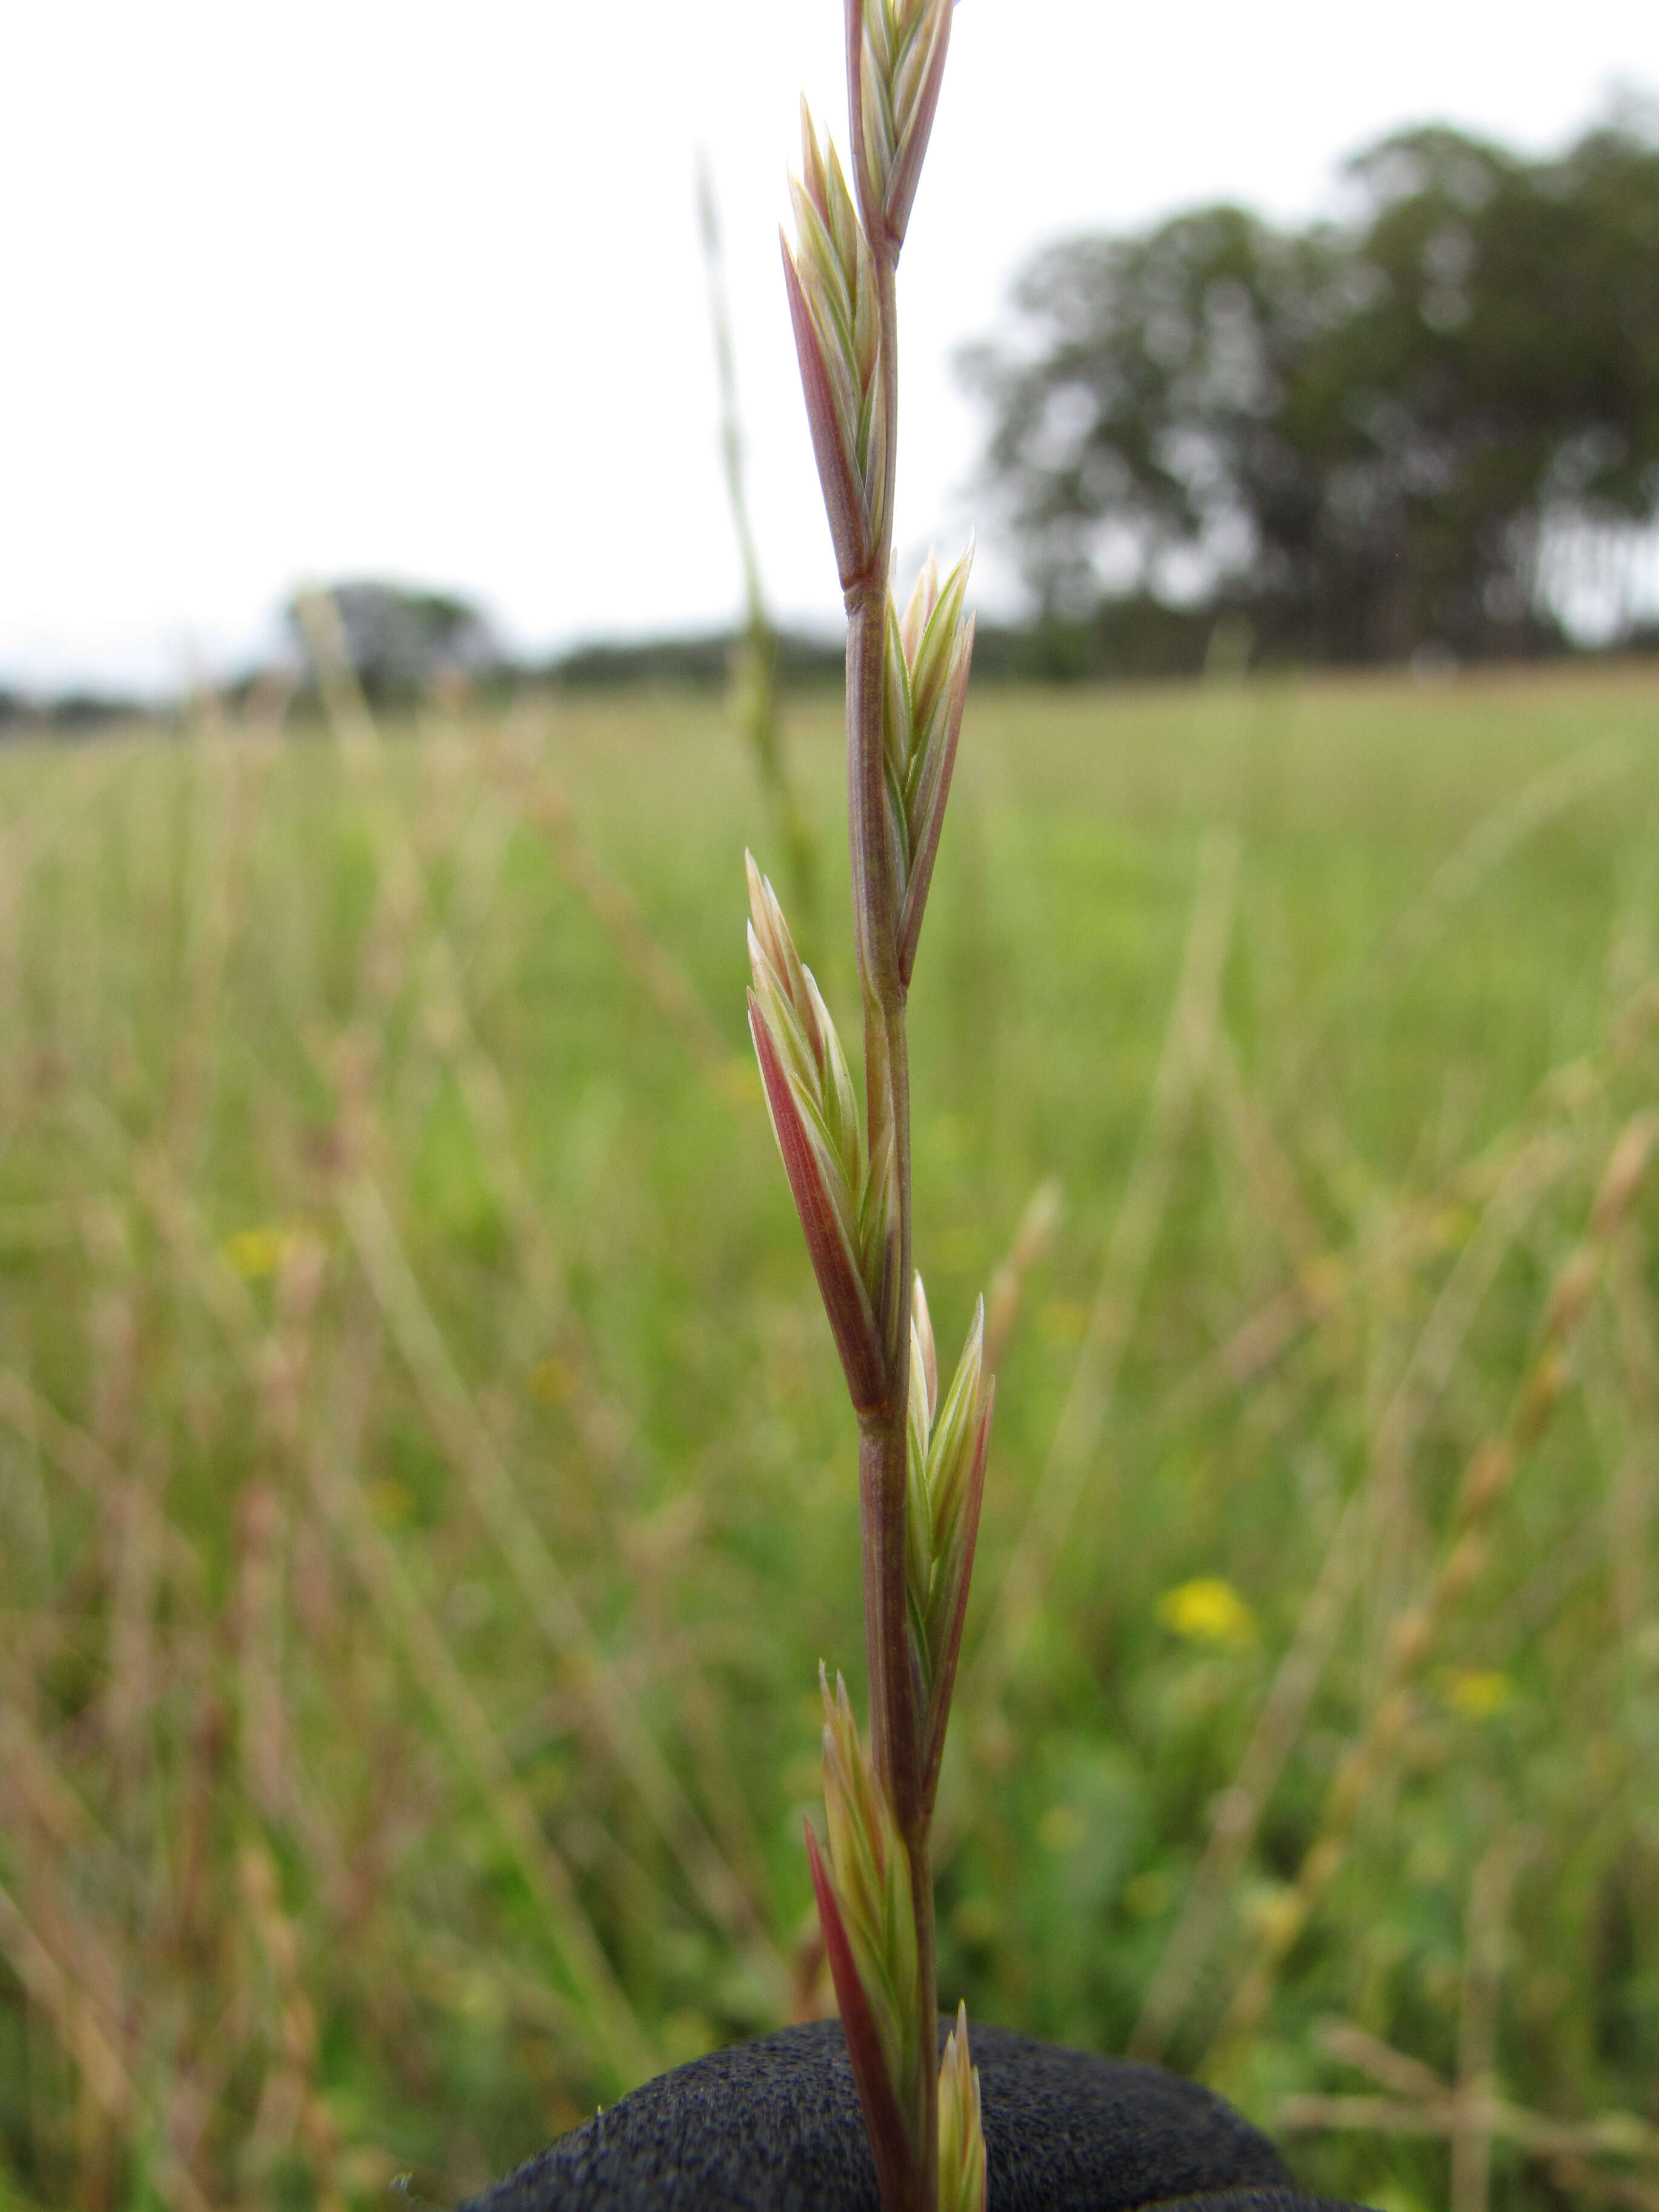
921, 1456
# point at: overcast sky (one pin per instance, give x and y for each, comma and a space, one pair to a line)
346, 287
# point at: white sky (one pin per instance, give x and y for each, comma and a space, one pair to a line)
336, 286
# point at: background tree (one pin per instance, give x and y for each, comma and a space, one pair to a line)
1367, 435
398, 641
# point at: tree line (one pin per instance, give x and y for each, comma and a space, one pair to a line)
1431, 426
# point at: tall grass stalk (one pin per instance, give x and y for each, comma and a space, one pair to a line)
1413, 1633
755, 664
921, 1460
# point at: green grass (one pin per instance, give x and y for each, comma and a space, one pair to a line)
425, 1490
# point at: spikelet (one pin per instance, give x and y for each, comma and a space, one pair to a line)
830, 278
925, 678
961, 2134
945, 1484
896, 51
867, 1914
843, 1209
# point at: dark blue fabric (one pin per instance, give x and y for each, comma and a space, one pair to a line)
773, 2126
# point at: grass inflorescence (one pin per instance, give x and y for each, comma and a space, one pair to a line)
921, 1488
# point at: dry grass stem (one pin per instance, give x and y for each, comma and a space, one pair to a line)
1352, 1547
1477, 2019
1032, 1239
754, 674
1488, 1475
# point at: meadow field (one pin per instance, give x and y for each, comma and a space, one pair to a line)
427, 1489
